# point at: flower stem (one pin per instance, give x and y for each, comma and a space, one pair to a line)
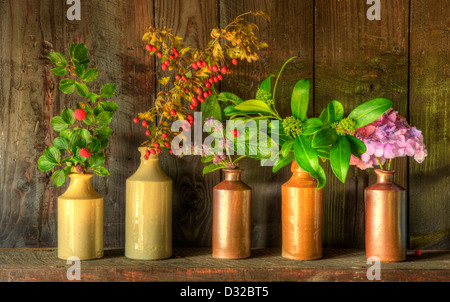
379, 162
276, 82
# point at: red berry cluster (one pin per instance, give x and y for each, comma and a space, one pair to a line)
159, 141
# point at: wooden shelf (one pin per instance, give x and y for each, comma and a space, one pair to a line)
197, 264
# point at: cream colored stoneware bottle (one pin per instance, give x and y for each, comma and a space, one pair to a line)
148, 220
80, 220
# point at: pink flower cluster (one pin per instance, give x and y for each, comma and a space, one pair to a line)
389, 137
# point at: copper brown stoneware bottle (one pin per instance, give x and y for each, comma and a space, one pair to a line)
231, 217
385, 219
301, 216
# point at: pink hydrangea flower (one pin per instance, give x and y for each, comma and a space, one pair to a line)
389, 137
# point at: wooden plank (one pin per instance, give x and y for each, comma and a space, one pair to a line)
289, 33
429, 182
357, 60
192, 20
197, 264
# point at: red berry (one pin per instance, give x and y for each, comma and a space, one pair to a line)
80, 114
159, 54
199, 63
164, 135
173, 49
418, 252
158, 150
209, 92
211, 80
85, 152
167, 144
199, 90
148, 47
215, 79
183, 77
172, 57
205, 94
164, 67
190, 117
80, 168
208, 85
156, 145
167, 62
223, 69
170, 151
154, 49
234, 61
219, 77
147, 152
176, 54
144, 123
148, 133
146, 157
136, 120
177, 77
236, 133
200, 98
204, 64
191, 106
194, 65
152, 151
173, 112
215, 68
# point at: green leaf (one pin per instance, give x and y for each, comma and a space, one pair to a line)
66, 133
104, 131
212, 167
324, 116
320, 176
85, 135
254, 106
281, 162
324, 137
79, 69
104, 118
44, 164
266, 84
53, 155
67, 86
287, 147
335, 111
300, 99
211, 108
58, 58
68, 116
90, 75
305, 155
82, 89
324, 152
90, 119
59, 71
108, 90
369, 111
80, 52
109, 106
61, 143
98, 144
71, 49
101, 171
311, 126
357, 147
59, 177
59, 124
340, 158
98, 109
92, 96
228, 96
207, 159
97, 159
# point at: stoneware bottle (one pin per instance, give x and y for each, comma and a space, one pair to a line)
148, 220
301, 216
231, 217
385, 232
80, 220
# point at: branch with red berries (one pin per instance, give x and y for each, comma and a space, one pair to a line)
195, 71
83, 132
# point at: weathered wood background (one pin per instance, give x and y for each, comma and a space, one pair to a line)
404, 57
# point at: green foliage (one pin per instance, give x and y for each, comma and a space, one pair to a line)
92, 132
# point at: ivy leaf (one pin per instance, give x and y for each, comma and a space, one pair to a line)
108, 90
300, 99
59, 177
59, 71
369, 111
305, 155
82, 89
340, 158
90, 75
67, 86
59, 124
104, 118
68, 116
58, 58
61, 143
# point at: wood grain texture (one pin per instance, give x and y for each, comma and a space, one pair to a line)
429, 106
194, 265
289, 33
357, 60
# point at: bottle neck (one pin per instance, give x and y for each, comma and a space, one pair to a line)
78, 181
384, 176
232, 174
297, 171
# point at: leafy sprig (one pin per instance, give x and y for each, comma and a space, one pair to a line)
84, 132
